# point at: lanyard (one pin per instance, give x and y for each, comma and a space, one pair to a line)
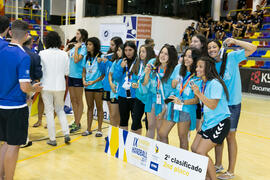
141, 68
202, 91
158, 77
187, 79
160, 83
92, 62
128, 72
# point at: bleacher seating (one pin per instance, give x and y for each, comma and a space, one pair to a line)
267, 55
249, 64
33, 33
266, 27
242, 63
49, 28
258, 53
258, 64
266, 65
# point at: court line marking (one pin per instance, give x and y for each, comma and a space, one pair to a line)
50, 150
250, 134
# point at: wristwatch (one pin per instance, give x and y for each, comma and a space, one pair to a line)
182, 101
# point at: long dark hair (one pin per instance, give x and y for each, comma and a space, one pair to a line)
195, 55
95, 41
211, 72
173, 58
203, 41
223, 59
118, 58
134, 58
84, 34
117, 41
150, 53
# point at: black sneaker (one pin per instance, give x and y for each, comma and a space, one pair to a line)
67, 139
73, 124
75, 128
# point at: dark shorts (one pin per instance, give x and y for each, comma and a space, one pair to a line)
93, 90
75, 82
218, 133
14, 125
235, 115
114, 101
199, 111
126, 108
106, 96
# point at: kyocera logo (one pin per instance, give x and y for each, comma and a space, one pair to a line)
255, 76
258, 77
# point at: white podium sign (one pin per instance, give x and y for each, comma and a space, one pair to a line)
161, 159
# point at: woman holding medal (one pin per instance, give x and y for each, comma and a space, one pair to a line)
114, 88
214, 96
228, 70
199, 41
92, 81
183, 108
123, 76
108, 60
157, 79
145, 53
76, 54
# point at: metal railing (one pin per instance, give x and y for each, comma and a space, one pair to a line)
71, 16
23, 12
249, 9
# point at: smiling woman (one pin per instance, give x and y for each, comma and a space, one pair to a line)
227, 68
183, 109
213, 95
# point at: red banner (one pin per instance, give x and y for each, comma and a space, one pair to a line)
144, 27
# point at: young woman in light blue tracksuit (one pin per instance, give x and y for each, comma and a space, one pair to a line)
227, 67
75, 83
108, 60
183, 110
157, 82
93, 73
214, 96
145, 54
114, 89
124, 77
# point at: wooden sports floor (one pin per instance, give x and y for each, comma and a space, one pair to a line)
84, 158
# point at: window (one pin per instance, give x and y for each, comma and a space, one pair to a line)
186, 9
100, 7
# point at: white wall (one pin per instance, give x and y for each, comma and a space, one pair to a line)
255, 3
231, 6
58, 7
215, 12
164, 29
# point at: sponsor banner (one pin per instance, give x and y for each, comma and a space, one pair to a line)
161, 159
144, 27
139, 28
108, 31
256, 81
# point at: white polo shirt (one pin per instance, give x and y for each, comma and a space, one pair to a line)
55, 66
